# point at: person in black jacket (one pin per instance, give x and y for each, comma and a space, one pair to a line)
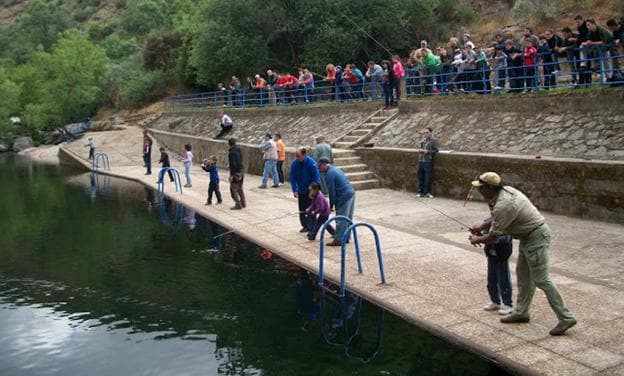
164, 160
388, 83
235, 159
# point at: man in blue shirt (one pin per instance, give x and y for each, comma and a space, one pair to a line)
303, 172
341, 196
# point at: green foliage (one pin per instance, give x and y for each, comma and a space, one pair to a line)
144, 88
160, 50
66, 82
143, 16
117, 48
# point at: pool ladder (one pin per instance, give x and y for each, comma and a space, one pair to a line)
177, 181
96, 162
348, 300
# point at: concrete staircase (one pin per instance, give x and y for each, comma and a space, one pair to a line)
355, 169
348, 161
366, 130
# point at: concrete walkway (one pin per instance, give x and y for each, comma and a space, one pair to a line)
436, 279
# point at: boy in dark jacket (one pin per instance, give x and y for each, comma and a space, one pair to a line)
164, 160
498, 275
210, 166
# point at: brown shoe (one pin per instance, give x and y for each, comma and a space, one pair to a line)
562, 327
235, 207
514, 318
334, 243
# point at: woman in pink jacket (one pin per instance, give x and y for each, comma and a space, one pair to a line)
399, 73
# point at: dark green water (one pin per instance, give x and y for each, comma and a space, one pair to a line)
93, 281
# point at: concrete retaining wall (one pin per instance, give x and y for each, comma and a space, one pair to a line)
204, 147
586, 125
299, 125
588, 189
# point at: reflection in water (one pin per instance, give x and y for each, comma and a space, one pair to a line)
103, 287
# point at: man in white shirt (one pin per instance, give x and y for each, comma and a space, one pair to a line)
226, 124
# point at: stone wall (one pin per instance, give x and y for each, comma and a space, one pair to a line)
585, 125
588, 189
299, 125
204, 147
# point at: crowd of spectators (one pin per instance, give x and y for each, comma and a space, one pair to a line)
576, 56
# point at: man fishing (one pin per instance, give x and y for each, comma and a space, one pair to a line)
512, 213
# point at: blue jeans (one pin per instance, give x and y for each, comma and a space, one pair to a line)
187, 173
344, 208
270, 168
425, 170
388, 94
499, 277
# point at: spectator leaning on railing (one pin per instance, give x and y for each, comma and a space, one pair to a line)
374, 75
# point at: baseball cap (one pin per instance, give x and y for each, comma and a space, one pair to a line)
489, 178
323, 160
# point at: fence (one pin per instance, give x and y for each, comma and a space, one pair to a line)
577, 68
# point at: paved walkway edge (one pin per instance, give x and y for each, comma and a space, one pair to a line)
458, 341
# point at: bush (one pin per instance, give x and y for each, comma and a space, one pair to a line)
147, 87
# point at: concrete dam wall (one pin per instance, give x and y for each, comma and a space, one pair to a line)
566, 152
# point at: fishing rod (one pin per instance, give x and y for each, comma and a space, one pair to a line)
445, 215
255, 224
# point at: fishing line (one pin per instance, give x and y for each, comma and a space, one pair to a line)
365, 32
255, 224
444, 214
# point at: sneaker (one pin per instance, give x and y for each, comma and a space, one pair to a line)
262, 186
187, 186
514, 318
235, 207
562, 327
418, 195
491, 307
498, 88
505, 310
208, 203
275, 186
429, 195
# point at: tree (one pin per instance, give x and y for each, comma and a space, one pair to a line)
71, 82
143, 16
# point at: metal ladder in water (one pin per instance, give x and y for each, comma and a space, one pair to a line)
96, 162
343, 312
177, 181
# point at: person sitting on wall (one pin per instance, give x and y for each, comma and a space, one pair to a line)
226, 124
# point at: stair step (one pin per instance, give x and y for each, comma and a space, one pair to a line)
351, 138
346, 161
366, 184
359, 176
344, 153
341, 144
359, 132
378, 119
350, 168
369, 125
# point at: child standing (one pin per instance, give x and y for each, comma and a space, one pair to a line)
319, 211
210, 166
188, 163
91, 145
164, 160
498, 275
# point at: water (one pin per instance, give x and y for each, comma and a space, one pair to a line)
98, 278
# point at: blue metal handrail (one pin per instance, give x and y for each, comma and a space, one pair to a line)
96, 162
322, 245
343, 255
176, 180
95, 183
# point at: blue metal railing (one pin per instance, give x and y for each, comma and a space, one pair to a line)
177, 181
486, 79
96, 186
96, 162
